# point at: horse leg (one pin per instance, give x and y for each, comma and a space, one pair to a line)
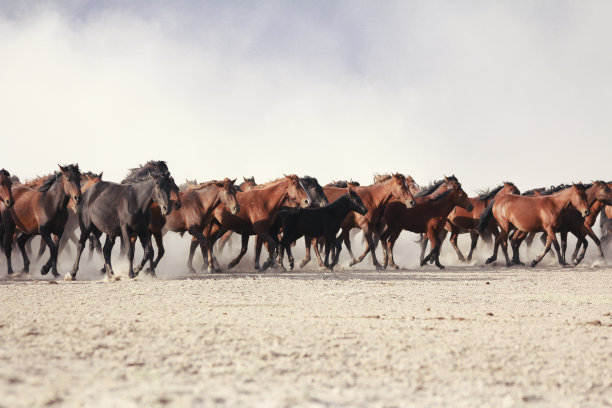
391, 239
515, 243
80, 247
370, 240
94, 243
347, 243
423, 243
193, 245
474, 236
147, 247
258, 244
564, 244
587, 230
51, 263
307, 244
205, 243
453, 241
159, 241
107, 250
266, 237
8, 229
41, 249
550, 238
243, 250
21, 242
281, 254
129, 244
318, 254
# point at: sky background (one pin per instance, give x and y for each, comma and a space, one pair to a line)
486, 90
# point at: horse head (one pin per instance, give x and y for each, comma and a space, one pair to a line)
578, 199
72, 182
296, 191
603, 192
162, 188
401, 191
6, 192
227, 195
463, 200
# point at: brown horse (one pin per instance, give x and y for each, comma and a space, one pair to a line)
375, 197
196, 213
6, 193
598, 195
532, 214
258, 209
461, 221
427, 217
41, 211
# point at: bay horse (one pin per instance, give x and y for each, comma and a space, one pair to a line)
375, 197
196, 213
317, 222
461, 221
42, 211
258, 209
598, 195
122, 210
427, 217
532, 214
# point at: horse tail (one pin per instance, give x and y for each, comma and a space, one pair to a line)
485, 217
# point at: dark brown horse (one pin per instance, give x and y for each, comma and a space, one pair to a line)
461, 221
258, 209
196, 213
428, 217
6, 193
532, 214
42, 211
375, 197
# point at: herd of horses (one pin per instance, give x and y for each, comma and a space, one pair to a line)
70, 205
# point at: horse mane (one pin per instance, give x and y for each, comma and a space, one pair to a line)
39, 180
5, 173
427, 190
555, 189
278, 180
188, 184
488, 194
90, 174
533, 190
308, 179
46, 185
441, 196
142, 171
380, 178
342, 183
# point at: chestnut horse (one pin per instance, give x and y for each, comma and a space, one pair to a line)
258, 209
428, 217
532, 214
598, 194
246, 185
196, 213
42, 211
461, 221
375, 197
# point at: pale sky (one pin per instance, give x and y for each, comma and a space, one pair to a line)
486, 90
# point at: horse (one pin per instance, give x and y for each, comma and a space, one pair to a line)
6, 193
42, 211
427, 217
375, 197
88, 179
317, 222
258, 209
461, 221
122, 210
598, 195
196, 213
157, 219
532, 214
246, 185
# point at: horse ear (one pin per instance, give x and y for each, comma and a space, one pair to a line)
233, 181
61, 168
446, 179
101, 173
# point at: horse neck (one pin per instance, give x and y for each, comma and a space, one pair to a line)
379, 194
591, 194
210, 197
445, 204
144, 194
274, 195
56, 195
340, 207
562, 199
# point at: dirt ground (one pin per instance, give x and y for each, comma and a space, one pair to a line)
465, 336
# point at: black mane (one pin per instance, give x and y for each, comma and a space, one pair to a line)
142, 172
57, 175
485, 195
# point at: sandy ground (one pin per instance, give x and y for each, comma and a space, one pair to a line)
466, 336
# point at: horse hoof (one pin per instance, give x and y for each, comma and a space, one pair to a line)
137, 269
423, 263
441, 266
489, 260
353, 262
210, 269
191, 269
379, 268
131, 275
533, 264
45, 270
303, 264
69, 277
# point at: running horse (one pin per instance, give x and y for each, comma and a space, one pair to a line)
258, 209
196, 213
42, 211
122, 210
375, 197
6, 198
532, 214
462, 221
428, 217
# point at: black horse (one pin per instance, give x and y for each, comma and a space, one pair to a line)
122, 210
317, 222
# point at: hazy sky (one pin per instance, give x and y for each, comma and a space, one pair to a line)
487, 90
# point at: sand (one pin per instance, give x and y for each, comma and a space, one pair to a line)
466, 336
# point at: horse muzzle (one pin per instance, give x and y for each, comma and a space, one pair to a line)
585, 213
410, 203
164, 210
306, 203
9, 203
235, 209
77, 199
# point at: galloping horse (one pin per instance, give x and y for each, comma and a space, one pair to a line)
317, 222
427, 217
196, 213
41, 211
246, 185
258, 210
375, 197
461, 221
122, 210
532, 214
